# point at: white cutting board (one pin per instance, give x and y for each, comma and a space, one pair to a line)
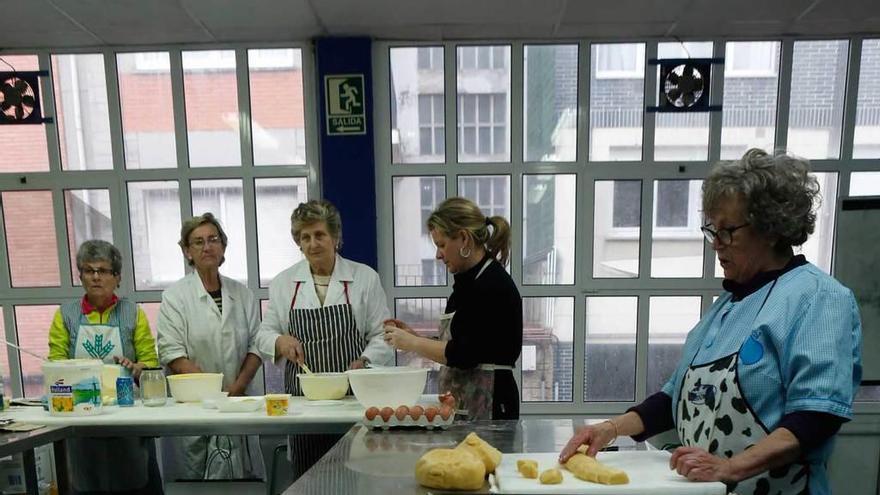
648, 472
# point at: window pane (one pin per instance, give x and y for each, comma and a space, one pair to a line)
818, 83
616, 219
417, 92
610, 351
819, 246
617, 102
30, 152
423, 315
151, 309
4, 360
670, 320
31, 324
81, 111
147, 110
550, 103
88, 217
277, 117
548, 327
414, 199
30, 238
751, 84
276, 200
677, 244
490, 192
273, 374
682, 136
223, 198
154, 210
549, 229
211, 108
491, 85
864, 184
866, 142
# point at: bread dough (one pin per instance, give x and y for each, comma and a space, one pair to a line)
450, 469
490, 455
528, 468
551, 476
589, 469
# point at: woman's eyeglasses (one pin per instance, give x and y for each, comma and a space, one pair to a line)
724, 236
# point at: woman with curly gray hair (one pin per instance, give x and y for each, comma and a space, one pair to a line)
768, 375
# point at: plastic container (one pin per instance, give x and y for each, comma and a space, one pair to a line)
73, 387
390, 386
277, 404
193, 387
323, 386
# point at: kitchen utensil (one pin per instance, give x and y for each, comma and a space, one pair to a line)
391, 386
324, 386
193, 387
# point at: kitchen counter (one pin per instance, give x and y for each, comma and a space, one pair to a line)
377, 462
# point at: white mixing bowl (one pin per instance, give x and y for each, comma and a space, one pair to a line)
392, 387
323, 386
194, 387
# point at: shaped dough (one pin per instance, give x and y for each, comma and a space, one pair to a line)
589, 469
450, 469
551, 476
490, 455
528, 468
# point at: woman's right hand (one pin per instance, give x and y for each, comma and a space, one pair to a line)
594, 437
393, 323
290, 348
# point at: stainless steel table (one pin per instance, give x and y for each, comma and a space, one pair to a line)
377, 462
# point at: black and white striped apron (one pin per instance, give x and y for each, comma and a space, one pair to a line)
331, 341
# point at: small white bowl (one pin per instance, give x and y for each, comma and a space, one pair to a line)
193, 387
323, 386
240, 404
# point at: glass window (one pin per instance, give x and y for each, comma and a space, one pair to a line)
224, 199
751, 84
866, 141
547, 364
31, 324
819, 246
277, 116
818, 83
154, 212
610, 350
147, 110
88, 217
417, 112
4, 361
616, 231
30, 238
490, 192
151, 310
82, 113
669, 321
676, 243
682, 136
549, 229
550, 103
864, 184
617, 102
211, 108
414, 251
276, 200
28, 151
483, 104
273, 374
423, 315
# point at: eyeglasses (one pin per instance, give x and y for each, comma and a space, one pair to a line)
199, 243
99, 272
724, 236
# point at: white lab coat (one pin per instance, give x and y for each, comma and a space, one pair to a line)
191, 326
368, 301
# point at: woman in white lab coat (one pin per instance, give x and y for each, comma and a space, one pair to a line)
325, 310
208, 324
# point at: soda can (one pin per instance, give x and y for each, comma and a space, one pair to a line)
124, 391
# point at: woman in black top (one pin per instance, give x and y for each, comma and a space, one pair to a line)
481, 331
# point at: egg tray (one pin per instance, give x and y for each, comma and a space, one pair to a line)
408, 422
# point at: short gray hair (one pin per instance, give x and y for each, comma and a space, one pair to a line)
196, 222
314, 211
779, 193
96, 250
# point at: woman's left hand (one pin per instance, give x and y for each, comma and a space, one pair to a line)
696, 464
399, 338
135, 368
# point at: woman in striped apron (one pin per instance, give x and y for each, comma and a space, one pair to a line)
326, 311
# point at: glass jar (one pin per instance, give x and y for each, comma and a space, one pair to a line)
153, 389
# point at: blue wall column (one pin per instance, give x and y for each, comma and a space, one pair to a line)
348, 165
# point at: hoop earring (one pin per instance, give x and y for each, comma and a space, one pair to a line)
462, 253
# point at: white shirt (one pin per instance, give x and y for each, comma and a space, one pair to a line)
190, 325
368, 301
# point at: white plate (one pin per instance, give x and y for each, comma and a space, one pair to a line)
321, 403
240, 404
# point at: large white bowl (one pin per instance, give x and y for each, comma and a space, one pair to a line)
392, 387
194, 387
323, 386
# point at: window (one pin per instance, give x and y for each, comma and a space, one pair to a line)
549, 229
430, 58
676, 244
277, 115
610, 354
548, 325
275, 201
490, 193
432, 193
432, 133
483, 98
154, 213
483, 57
749, 109
147, 123
626, 209
620, 61
617, 108
88, 217
223, 198
414, 198
752, 59
418, 131
432, 272
211, 108
423, 316
483, 128
681, 136
616, 234
30, 238
866, 141
670, 320
550, 93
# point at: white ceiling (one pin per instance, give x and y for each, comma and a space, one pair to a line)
82, 23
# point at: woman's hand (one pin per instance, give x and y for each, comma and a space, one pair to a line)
594, 437
134, 368
236, 390
400, 338
290, 348
696, 464
393, 322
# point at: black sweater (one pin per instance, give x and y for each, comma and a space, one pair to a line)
488, 324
